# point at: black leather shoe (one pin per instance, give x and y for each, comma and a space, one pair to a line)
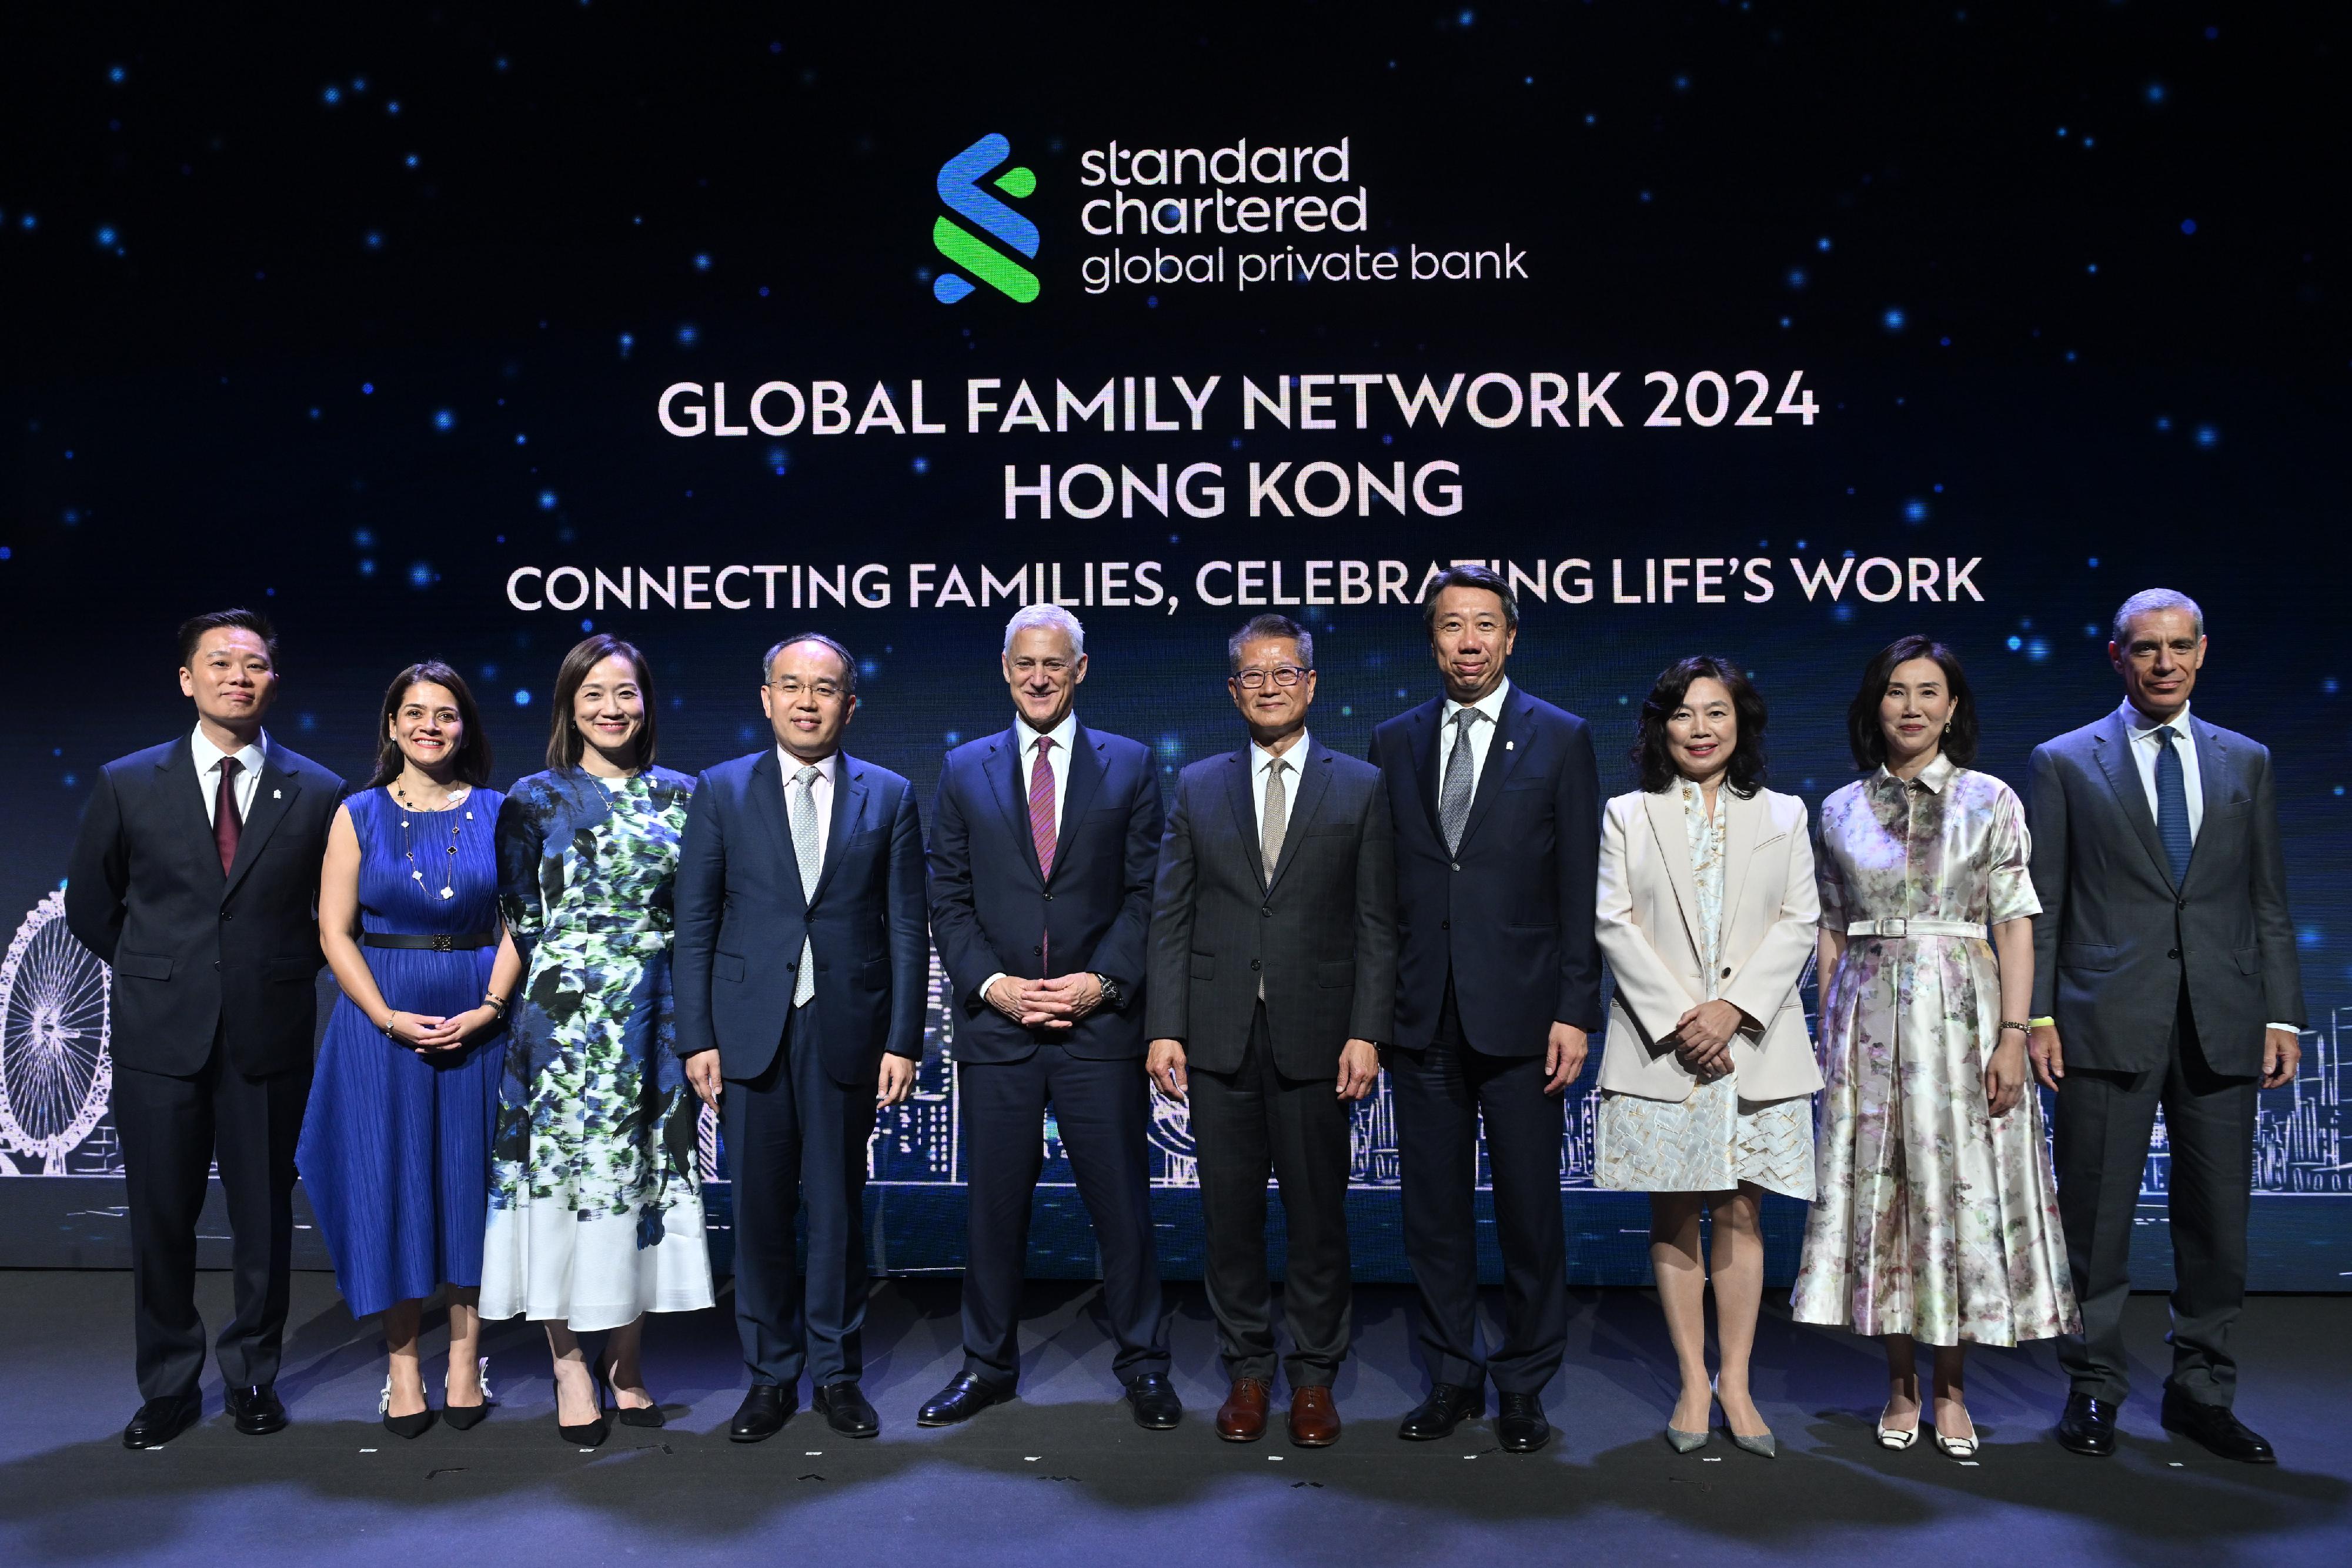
1157, 1408
964, 1397
161, 1420
1520, 1424
257, 1410
1448, 1405
2218, 1428
762, 1413
845, 1409
2088, 1427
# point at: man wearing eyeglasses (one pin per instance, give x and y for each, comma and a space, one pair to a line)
802, 963
1273, 978
1043, 838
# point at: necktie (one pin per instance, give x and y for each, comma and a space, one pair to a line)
1041, 833
2172, 803
226, 825
811, 860
1454, 798
1270, 831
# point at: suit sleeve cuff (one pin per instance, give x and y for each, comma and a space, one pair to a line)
2289, 1027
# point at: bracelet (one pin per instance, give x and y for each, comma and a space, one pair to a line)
495, 1002
386, 1025
2011, 1023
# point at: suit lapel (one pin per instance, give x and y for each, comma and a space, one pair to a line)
2113, 743
1422, 738
2214, 784
1664, 808
1743, 819
274, 794
183, 792
1079, 789
1503, 754
849, 793
768, 805
1004, 770
1314, 783
1237, 789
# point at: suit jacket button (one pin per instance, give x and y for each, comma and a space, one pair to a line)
1049, 898
1267, 912
2184, 903
2173, 953
1445, 926
1038, 952
1256, 963
225, 914
1456, 864
1727, 971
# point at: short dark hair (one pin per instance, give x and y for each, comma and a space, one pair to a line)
565, 741
471, 764
848, 663
1271, 625
1655, 765
192, 630
1471, 574
1868, 742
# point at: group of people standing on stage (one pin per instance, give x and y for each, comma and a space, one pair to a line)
541, 989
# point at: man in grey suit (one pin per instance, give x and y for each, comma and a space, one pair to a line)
1272, 979
2164, 975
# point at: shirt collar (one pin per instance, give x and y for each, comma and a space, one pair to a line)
1261, 759
1061, 735
208, 755
793, 765
1491, 705
2142, 727
1935, 776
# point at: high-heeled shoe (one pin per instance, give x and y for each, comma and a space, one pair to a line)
591, 1434
1683, 1442
401, 1425
1889, 1438
466, 1418
637, 1414
1762, 1444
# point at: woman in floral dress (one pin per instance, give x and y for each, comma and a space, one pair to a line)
1936, 1217
595, 1211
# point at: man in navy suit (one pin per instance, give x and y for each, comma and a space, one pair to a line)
1497, 798
196, 876
802, 963
1044, 841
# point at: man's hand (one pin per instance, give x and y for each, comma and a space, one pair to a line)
898, 1080
1563, 1058
702, 1074
1009, 996
1166, 1065
2281, 1052
1360, 1069
2049, 1058
1058, 1004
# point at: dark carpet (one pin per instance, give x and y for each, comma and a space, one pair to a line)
1064, 1475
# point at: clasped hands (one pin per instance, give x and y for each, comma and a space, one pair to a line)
1702, 1037
1055, 1004
429, 1033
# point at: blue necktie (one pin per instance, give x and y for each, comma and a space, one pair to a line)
2172, 803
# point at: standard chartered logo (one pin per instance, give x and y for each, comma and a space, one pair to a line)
960, 188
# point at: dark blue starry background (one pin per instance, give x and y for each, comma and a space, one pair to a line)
347, 317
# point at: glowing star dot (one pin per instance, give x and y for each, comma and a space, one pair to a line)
922, 465
2207, 436
2189, 225
688, 335
420, 575
1914, 511
2017, 642
115, 75
1823, 244
367, 389
1796, 277
106, 237
444, 419
332, 96
522, 698
372, 239
2155, 92
702, 263
1894, 320
547, 500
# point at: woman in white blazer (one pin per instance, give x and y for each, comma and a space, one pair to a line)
1707, 914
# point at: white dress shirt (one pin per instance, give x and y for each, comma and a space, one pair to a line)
1482, 734
1057, 762
208, 769
820, 790
1261, 763
2145, 749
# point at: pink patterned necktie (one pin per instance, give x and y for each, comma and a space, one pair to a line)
1041, 822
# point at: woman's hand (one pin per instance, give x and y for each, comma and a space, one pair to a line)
449, 1033
2004, 1079
1703, 1036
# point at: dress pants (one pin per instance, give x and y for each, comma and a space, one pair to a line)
1441, 1092
1246, 1124
173, 1130
2104, 1123
793, 1133
1103, 1109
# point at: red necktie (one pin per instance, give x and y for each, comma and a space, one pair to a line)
226, 825
1041, 823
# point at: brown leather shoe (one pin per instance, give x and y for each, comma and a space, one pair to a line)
1314, 1419
1242, 1417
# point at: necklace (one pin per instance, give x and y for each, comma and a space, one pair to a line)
457, 820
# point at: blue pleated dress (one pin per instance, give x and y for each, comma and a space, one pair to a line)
395, 1147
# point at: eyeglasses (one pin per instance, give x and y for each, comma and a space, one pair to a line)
788, 688
1281, 675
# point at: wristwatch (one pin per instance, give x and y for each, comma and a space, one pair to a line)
1110, 992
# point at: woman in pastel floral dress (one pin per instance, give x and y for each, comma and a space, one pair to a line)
1937, 1215
595, 1211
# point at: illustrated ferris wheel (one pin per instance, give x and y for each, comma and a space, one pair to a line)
55, 1069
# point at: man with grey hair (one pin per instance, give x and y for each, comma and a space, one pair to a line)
1044, 837
2163, 976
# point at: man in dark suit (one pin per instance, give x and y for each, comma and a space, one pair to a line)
195, 875
2164, 975
1497, 798
802, 962
1044, 839
1273, 980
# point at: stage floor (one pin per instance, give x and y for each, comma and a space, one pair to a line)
1062, 1475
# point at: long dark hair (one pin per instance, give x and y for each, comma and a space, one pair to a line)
1868, 741
1655, 764
471, 765
565, 741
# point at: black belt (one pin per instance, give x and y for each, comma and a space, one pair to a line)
437, 942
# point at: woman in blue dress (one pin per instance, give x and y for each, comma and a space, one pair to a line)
595, 1211
395, 1147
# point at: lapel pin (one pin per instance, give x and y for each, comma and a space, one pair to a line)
1510, 745
278, 794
